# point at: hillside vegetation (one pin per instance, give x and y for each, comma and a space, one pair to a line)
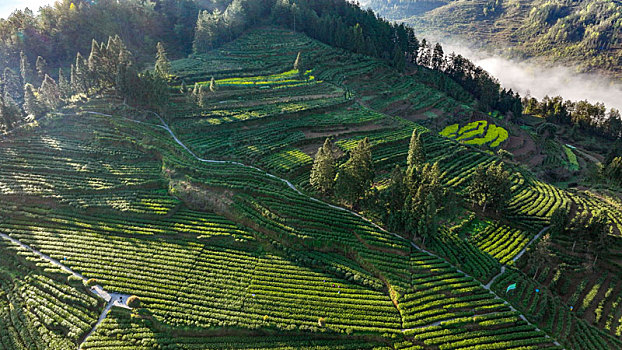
279, 188
586, 34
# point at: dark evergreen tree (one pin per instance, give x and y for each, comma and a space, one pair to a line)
399, 61
95, 64
11, 85
540, 254
355, 176
416, 152
324, 168
437, 57
424, 54
42, 68
63, 85
49, 93
25, 69
31, 104
413, 45
10, 113
162, 64
427, 223
80, 75
395, 195
212, 85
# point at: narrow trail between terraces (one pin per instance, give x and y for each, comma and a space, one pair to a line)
111, 299
487, 286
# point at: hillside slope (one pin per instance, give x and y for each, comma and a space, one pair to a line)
180, 211
586, 34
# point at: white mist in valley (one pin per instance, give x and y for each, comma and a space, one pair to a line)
528, 77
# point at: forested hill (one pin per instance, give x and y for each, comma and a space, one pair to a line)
585, 33
54, 43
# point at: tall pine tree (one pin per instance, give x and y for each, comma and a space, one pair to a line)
49, 93
355, 176
11, 85
10, 113
31, 104
324, 168
42, 68
25, 69
63, 85
162, 64
416, 153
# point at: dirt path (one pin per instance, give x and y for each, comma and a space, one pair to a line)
112, 299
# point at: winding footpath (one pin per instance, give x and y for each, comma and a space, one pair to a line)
111, 299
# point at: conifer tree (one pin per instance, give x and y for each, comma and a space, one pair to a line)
427, 224
195, 92
395, 195
416, 153
297, 62
10, 113
413, 45
437, 57
399, 61
324, 168
212, 85
31, 104
49, 93
362, 162
162, 65
207, 31
73, 79
25, 69
42, 67
540, 253
202, 96
355, 176
424, 54
95, 64
11, 85
80, 77
63, 85
299, 65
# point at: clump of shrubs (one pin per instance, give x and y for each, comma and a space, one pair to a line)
133, 302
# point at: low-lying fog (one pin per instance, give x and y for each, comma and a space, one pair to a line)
537, 80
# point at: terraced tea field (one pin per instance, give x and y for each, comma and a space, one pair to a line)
207, 216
